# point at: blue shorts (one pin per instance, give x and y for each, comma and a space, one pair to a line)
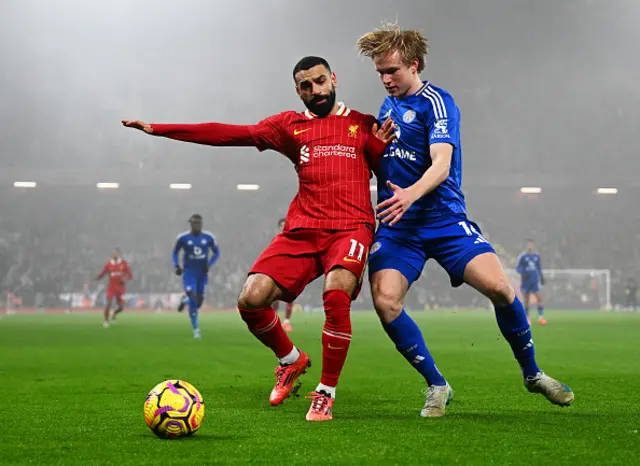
195, 281
453, 243
528, 287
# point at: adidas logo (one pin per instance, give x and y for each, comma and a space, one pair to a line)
417, 360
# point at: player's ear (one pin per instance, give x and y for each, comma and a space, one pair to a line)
414, 66
334, 79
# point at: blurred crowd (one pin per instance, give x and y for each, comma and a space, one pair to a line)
54, 240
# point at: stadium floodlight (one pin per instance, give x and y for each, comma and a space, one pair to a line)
24, 184
104, 185
530, 190
248, 187
180, 186
373, 188
607, 190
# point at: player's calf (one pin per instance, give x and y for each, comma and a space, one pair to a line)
193, 313
485, 274
254, 305
388, 290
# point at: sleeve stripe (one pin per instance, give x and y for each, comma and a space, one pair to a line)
439, 107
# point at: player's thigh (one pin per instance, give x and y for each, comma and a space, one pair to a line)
202, 282
290, 262
485, 273
190, 283
388, 290
465, 254
396, 250
343, 258
110, 295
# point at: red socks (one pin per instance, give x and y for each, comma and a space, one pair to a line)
336, 335
265, 325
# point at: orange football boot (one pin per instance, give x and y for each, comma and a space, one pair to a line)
286, 377
321, 407
287, 327
542, 321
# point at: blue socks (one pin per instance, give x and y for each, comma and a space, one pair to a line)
407, 336
193, 312
512, 321
540, 310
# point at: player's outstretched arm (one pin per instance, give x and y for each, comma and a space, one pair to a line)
211, 134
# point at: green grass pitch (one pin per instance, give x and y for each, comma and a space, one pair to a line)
72, 393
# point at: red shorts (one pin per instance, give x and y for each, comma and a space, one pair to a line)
116, 291
296, 258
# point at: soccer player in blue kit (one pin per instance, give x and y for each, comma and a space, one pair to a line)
196, 245
529, 267
422, 215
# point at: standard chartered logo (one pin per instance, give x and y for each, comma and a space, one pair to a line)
337, 150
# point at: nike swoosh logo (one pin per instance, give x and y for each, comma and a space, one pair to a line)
296, 131
348, 259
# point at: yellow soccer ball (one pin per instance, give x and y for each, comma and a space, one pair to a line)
174, 409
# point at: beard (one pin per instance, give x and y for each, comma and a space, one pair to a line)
324, 108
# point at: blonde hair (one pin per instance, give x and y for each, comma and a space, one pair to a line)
410, 44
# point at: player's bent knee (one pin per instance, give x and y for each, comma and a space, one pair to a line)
387, 303
500, 292
258, 292
341, 279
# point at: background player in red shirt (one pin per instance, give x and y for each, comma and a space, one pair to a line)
288, 310
329, 226
119, 273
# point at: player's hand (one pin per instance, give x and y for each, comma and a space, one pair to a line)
386, 133
397, 205
137, 124
178, 270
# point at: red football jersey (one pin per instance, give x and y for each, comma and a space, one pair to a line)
118, 272
333, 157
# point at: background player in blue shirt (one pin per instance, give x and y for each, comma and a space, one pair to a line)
529, 267
422, 215
196, 263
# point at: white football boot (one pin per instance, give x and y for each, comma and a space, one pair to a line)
554, 391
438, 397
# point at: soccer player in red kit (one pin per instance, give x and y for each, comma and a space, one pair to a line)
329, 226
119, 273
288, 310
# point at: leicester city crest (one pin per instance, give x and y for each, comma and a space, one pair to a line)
409, 116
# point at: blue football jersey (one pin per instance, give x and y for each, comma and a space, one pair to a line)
427, 117
196, 250
529, 267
